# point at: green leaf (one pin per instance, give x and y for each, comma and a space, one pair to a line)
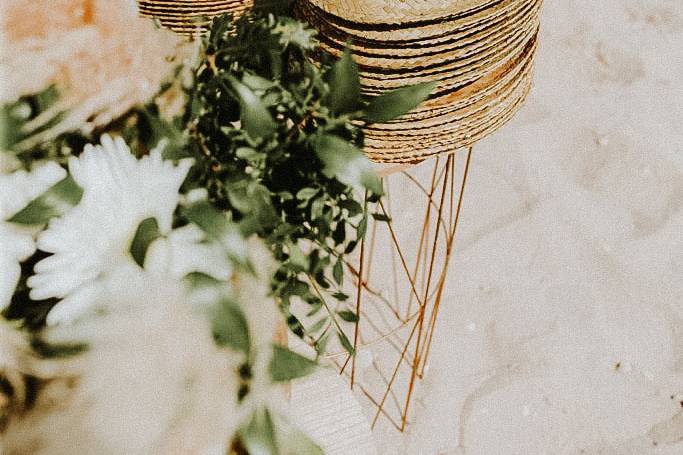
217, 227
317, 208
287, 365
340, 296
396, 103
198, 280
348, 316
285, 196
230, 327
381, 217
362, 227
293, 441
297, 257
344, 95
148, 232
239, 199
345, 162
295, 326
351, 246
315, 308
54, 202
262, 214
339, 233
256, 82
346, 343
246, 153
353, 207
258, 436
321, 344
322, 280
338, 272
306, 193
318, 325
162, 134
208, 218
256, 120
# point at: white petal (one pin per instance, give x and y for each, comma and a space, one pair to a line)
16, 241
184, 252
75, 306
21, 187
16, 245
158, 259
10, 271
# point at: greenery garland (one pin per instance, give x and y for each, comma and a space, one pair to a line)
278, 138
275, 129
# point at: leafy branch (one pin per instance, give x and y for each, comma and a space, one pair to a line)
278, 142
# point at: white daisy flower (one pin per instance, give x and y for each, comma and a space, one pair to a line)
93, 239
153, 380
16, 241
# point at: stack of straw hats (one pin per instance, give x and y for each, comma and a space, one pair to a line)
190, 16
480, 53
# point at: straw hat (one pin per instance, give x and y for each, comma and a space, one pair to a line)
190, 16
479, 52
402, 12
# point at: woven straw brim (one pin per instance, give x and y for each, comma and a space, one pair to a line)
457, 38
476, 55
451, 72
444, 123
190, 17
419, 152
410, 139
479, 52
441, 121
415, 150
404, 12
471, 93
404, 35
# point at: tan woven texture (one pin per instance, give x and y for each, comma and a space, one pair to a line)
190, 17
399, 11
480, 53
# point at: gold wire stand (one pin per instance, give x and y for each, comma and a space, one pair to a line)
399, 277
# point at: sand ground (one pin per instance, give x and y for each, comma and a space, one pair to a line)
562, 328
563, 332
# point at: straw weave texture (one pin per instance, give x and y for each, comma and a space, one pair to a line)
190, 17
479, 52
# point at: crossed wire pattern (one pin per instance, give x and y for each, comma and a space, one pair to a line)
399, 277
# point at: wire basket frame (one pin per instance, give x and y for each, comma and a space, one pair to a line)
399, 285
